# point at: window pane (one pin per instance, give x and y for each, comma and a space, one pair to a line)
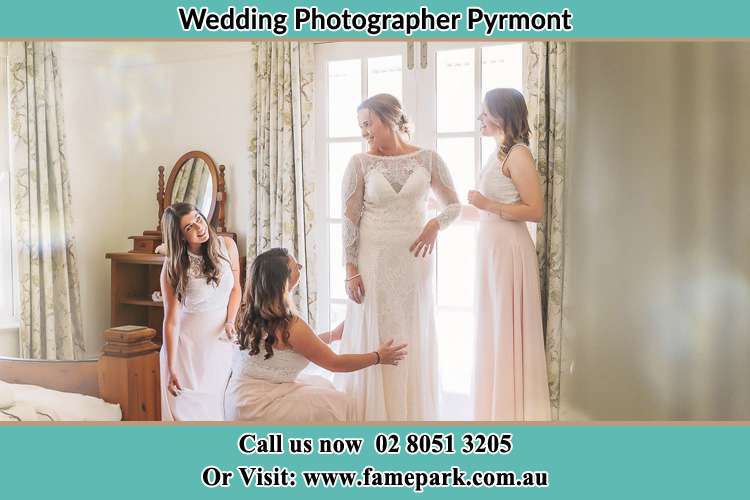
458, 153
455, 261
339, 154
384, 76
455, 91
344, 95
502, 67
336, 265
455, 350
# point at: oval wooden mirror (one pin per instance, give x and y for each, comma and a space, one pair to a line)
193, 179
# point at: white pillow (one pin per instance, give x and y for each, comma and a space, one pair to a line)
23, 412
67, 406
7, 399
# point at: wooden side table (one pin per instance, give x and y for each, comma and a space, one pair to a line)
129, 372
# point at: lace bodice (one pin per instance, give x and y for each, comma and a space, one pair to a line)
284, 366
494, 184
201, 296
394, 190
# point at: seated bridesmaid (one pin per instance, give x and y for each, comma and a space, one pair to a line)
275, 345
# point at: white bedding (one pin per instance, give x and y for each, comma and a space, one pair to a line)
20, 402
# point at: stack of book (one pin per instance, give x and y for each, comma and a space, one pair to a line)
129, 340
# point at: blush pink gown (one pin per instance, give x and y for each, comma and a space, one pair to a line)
203, 360
275, 390
510, 375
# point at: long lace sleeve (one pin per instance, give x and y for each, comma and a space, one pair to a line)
442, 186
352, 197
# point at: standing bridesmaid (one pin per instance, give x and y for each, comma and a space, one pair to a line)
510, 376
200, 284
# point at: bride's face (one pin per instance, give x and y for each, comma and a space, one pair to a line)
488, 126
294, 268
373, 130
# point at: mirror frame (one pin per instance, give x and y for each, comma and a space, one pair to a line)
214, 180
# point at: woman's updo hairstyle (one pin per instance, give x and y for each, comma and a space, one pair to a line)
389, 110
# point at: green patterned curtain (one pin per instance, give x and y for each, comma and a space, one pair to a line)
280, 169
546, 90
50, 298
183, 180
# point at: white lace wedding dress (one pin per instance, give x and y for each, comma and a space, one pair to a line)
385, 209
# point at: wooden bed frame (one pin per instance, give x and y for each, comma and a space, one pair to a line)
67, 376
130, 381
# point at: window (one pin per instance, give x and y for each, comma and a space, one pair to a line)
444, 111
8, 287
346, 73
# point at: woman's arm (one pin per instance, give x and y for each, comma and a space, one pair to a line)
441, 184
171, 328
305, 342
235, 295
352, 197
333, 335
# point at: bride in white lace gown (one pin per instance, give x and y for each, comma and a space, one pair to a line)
388, 240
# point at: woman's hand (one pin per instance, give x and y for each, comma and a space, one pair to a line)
230, 332
425, 243
355, 289
478, 200
174, 386
337, 332
391, 354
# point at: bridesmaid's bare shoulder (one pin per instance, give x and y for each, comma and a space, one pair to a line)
298, 327
519, 159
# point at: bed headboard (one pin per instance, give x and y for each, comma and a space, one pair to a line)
67, 376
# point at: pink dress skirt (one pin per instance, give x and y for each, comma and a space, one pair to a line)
510, 376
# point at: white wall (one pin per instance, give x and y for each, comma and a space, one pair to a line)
93, 102
130, 107
181, 103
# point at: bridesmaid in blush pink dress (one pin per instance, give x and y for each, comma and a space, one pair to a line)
510, 376
200, 283
276, 345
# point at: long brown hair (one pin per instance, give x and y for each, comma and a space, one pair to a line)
507, 106
178, 261
388, 109
267, 310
